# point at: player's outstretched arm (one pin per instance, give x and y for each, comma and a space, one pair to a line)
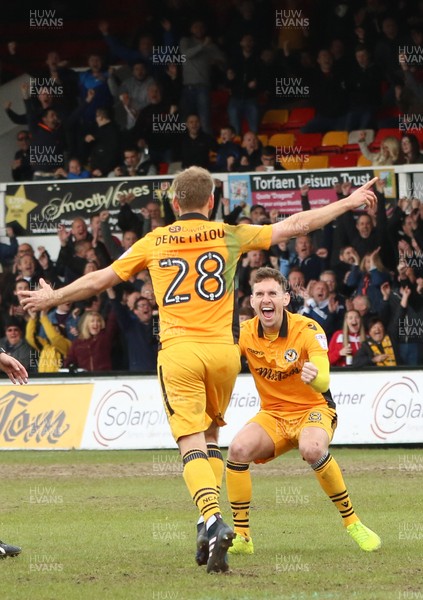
305, 222
91, 284
13, 369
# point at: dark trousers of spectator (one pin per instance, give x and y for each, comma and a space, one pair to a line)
195, 99
359, 119
409, 354
239, 108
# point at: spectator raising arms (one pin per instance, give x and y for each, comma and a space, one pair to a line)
388, 153
45, 337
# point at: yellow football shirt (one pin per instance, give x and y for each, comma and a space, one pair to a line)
193, 264
276, 364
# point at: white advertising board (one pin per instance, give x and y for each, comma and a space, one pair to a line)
373, 408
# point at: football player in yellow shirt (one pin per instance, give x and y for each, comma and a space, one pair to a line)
287, 356
193, 264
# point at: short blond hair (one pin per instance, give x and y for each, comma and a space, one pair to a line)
192, 188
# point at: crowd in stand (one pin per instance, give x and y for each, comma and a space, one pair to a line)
358, 66
361, 277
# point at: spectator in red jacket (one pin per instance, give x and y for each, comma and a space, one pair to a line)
92, 349
346, 341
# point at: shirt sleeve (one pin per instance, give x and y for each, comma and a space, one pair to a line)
134, 260
321, 382
316, 345
254, 237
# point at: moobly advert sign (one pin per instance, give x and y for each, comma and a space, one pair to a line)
43, 416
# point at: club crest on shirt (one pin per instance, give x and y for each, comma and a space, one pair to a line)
291, 355
315, 417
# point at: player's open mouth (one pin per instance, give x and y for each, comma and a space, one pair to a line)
268, 312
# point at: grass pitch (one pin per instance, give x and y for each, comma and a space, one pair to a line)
120, 525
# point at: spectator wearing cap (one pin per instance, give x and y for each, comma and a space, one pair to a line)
15, 345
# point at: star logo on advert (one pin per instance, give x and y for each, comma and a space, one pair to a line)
395, 405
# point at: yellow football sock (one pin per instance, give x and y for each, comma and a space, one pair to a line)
201, 482
216, 463
240, 490
331, 481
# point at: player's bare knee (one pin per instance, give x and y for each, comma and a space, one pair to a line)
238, 452
312, 452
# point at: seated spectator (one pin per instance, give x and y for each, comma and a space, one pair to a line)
296, 283
21, 166
410, 150
245, 313
250, 153
362, 305
252, 260
14, 343
377, 349
242, 79
322, 307
71, 260
147, 291
12, 302
27, 269
92, 350
388, 154
258, 214
66, 319
368, 277
136, 164
306, 259
228, 151
268, 160
104, 144
139, 332
196, 145
347, 258
346, 342
47, 339
74, 171
329, 278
